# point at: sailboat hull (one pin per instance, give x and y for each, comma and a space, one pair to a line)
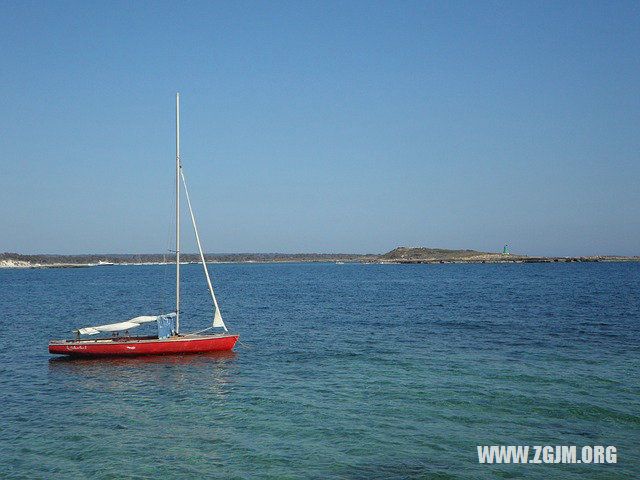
143, 346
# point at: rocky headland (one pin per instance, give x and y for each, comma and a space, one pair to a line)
438, 255
400, 255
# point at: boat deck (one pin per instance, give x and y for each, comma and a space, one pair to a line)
121, 340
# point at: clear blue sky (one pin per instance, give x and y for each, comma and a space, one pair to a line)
322, 126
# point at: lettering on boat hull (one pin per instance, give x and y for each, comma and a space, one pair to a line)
199, 344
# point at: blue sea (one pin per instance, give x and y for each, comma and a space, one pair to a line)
344, 372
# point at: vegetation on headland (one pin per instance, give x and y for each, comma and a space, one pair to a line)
438, 255
398, 255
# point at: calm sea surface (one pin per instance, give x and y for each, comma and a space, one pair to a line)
352, 372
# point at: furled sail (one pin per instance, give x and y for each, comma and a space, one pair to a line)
118, 327
217, 317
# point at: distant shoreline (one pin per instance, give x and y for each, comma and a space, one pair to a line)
400, 255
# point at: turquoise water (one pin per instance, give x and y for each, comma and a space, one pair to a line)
352, 372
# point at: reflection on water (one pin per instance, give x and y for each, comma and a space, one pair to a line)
212, 372
191, 359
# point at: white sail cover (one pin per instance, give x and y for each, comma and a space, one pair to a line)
118, 327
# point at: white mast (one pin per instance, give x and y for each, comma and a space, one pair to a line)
217, 317
177, 213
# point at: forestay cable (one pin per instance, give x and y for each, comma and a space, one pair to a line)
217, 318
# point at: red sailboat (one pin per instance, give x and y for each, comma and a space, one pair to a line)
169, 339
